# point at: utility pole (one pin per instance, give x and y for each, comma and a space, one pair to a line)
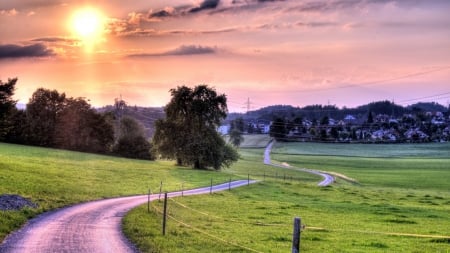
119, 105
248, 105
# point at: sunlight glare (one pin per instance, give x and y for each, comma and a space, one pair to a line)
88, 25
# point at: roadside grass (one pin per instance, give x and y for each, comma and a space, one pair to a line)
255, 140
370, 167
405, 193
424, 150
258, 218
395, 197
56, 178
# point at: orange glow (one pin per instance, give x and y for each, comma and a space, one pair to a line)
88, 25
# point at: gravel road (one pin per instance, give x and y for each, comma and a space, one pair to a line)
88, 227
327, 178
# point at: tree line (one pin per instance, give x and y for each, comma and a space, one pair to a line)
187, 134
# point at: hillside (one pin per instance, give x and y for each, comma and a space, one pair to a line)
147, 116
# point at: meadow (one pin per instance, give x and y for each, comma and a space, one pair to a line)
55, 178
400, 203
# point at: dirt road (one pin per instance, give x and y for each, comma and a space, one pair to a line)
327, 178
88, 227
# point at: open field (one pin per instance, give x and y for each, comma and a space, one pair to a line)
55, 178
397, 201
410, 196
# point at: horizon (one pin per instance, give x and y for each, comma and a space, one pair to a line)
342, 53
22, 106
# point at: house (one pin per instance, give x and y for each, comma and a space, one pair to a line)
224, 129
350, 119
415, 135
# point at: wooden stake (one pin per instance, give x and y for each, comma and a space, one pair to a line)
164, 214
148, 200
296, 235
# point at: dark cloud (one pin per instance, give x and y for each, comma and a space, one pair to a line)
206, 4
184, 50
18, 51
160, 14
214, 5
57, 40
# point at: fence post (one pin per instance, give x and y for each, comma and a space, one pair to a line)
165, 214
182, 189
160, 190
229, 185
296, 235
248, 179
148, 200
210, 189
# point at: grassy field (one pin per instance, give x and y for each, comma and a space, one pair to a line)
401, 204
55, 178
405, 193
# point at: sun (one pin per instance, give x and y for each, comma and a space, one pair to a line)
88, 25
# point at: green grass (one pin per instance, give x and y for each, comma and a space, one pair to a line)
255, 140
403, 193
56, 178
397, 195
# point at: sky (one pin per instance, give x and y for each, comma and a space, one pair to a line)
257, 52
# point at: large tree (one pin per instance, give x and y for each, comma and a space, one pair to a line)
42, 111
236, 131
188, 133
7, 106
278, 129
132, 142
80, 127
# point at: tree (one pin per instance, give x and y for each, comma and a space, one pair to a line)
325, 121
188, 133
132, 142
370, 117
42, 111
236, 137
278, 129
81, 128
7, 106
238, 124
236, 130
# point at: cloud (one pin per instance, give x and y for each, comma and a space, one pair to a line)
12, 12
184, 50
18, 51
56, 40
206, 4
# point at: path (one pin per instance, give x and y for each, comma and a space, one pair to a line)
88, 227
327, 178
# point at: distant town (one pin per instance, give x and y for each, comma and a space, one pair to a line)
377, 122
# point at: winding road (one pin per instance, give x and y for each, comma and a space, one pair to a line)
327, 178
88, 227
96, 226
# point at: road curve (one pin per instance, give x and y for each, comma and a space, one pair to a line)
88, 227
327, 178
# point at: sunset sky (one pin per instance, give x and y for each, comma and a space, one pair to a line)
341, 52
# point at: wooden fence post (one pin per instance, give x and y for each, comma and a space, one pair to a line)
229, 185
248, 179
210, 189
160, 190
165, 214
296, 235
148, 200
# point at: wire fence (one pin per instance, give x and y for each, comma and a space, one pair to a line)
174, 216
